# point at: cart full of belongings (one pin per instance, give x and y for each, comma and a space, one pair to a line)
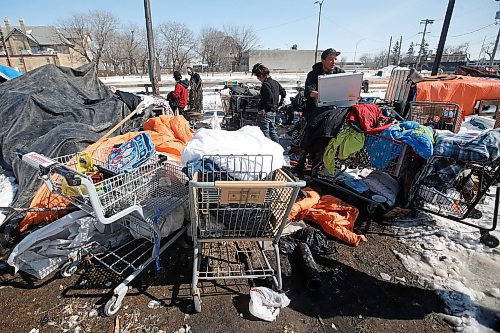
239, 103
363, 154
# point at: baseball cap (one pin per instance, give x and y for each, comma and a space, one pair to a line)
329, 51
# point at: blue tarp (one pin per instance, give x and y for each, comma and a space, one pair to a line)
8, 73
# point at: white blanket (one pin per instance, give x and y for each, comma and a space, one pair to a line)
248, 140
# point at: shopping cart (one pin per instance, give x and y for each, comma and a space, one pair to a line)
140, 200
235, 207
438, 115
392, 159
452, 189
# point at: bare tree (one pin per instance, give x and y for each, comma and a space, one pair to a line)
241, 40
92, 32
379, 59
461, 48
212, 47
134, 47
178, 43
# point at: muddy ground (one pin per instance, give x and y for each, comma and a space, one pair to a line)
353, 297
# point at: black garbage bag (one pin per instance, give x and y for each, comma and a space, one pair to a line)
311, 236
53, 111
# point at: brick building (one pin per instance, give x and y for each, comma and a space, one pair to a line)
28, 47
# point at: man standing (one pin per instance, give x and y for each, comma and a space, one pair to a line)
326, 66
270, 100
195, 91
179, 97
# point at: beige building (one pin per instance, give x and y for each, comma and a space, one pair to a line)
28, 47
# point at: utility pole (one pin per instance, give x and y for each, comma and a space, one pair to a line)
4, 44
153, 69
442, 38
422, 43
399, 50
389, 53
495, 48
317, 34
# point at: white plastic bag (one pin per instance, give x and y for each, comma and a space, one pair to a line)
215, 122
265, 303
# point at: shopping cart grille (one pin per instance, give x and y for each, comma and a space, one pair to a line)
233, 260
438, 115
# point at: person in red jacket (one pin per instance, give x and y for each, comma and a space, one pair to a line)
179, 97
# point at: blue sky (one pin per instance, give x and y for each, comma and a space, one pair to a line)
369, 24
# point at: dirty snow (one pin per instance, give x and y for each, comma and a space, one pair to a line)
8, 189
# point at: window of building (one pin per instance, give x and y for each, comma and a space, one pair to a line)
35, 49
20, 61
48, 59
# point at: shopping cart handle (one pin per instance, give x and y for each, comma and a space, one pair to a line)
248, 184
69, 175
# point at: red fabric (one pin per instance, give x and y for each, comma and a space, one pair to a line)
367, 117
333, 215
464, 91
181, 93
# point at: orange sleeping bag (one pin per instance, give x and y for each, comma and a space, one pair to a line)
333, 215
169, 134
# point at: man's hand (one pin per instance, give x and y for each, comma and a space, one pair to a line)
314, 94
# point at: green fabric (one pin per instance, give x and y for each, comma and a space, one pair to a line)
347, 143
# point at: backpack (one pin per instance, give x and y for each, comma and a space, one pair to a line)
132, 154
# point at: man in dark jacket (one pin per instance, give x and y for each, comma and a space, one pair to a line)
326, 66
270, 100
179, 97
195, 91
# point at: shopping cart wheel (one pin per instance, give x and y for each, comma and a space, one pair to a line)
197, 303
69, 268
112, 306
371, 209
488, 240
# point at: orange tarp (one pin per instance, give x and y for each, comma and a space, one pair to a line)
333, 215
465, 91
170, 135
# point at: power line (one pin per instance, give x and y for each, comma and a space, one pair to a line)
470, 32
285, 23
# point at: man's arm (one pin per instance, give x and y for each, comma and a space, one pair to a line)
282, 94
310, 85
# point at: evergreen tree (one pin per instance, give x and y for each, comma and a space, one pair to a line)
395, 54
410, 54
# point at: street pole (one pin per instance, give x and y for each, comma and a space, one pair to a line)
442, 39
317, 34
495, 48
356, 50
426, 22
389, 53
399, 50
153, 69
4, 44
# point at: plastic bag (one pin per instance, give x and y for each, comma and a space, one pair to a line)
265, 303
215, 122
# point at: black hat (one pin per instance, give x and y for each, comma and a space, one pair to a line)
329, 51
177, 75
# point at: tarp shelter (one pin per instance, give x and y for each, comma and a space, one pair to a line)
464, 90
8, 73
53, 111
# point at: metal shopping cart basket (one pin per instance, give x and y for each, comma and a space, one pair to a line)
139, 200
236, 204
378, 153
438, 115
452, 188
